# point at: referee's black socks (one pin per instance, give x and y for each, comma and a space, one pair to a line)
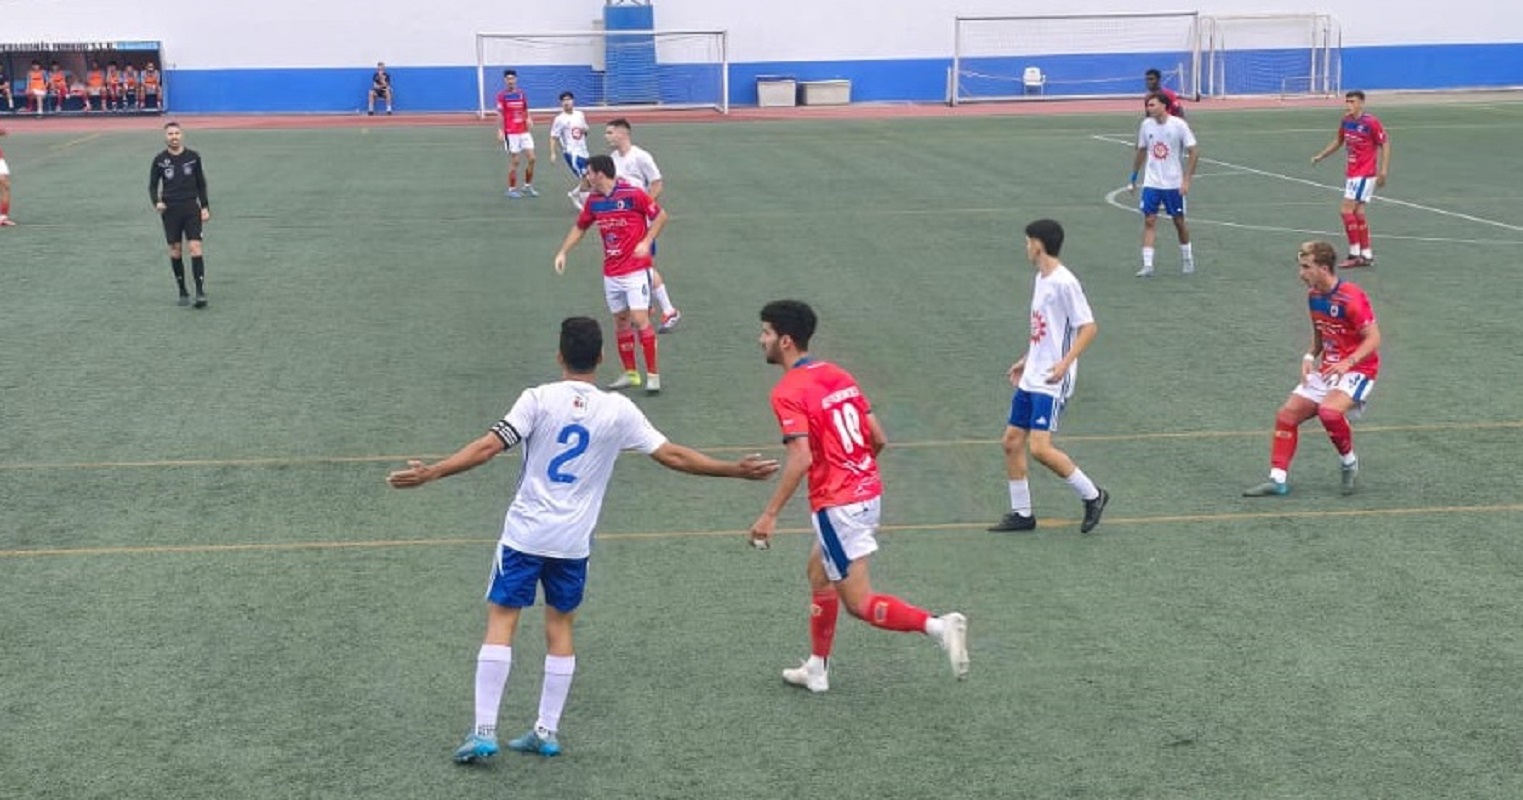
178, 265
198, 271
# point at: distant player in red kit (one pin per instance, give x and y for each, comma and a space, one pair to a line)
1369, 161
833, 438
1153, 79
1337, 373
516, 138
629, 221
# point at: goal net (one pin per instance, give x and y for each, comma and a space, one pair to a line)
609, 70
1073, 55
1280, 54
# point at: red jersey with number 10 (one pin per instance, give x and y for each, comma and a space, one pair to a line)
822, 401
1341, 315
623, 216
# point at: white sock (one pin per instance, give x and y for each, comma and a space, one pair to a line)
1020, 497
1147, 258
1279, 475
1349, 460
1185, 252
1082, 484
662, 299
493, 664
552, 698
935, 626
817, 662
1368, 253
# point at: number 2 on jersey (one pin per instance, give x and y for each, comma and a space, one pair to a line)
849, 426
577, 437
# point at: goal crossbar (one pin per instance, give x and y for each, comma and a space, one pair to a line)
609, 70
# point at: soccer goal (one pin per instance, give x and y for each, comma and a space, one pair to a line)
1073, 55
610, 70
1274, 54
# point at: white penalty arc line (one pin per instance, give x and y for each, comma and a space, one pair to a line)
1325, 187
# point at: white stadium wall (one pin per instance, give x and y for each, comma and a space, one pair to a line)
237, 55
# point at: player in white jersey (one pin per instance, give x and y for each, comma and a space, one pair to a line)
638, 168
1163, 141
1062, 327
572, 432
569, 132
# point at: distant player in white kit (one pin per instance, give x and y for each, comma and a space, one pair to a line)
638, 168
572, 434
569, 132
1162, 142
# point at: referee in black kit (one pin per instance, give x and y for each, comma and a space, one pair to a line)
177, 187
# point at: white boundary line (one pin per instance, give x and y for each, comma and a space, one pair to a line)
1240, 169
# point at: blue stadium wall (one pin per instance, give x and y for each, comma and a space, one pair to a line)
436, 89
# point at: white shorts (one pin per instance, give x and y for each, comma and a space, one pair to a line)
846, 533
627, 291
5, 171
517, 142
1354, 384
1360, 190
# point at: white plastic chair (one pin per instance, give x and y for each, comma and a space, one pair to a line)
1033, 78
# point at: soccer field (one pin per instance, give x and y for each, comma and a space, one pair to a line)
209, 591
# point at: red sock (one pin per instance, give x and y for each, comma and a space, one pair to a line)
1351, 228
892, 614
1364, 232
824, 607
512, 179
529, 172
626, 339
648, 344
5, 208
1337, 429
1287, 432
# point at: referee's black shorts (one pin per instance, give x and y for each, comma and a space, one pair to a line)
182, 221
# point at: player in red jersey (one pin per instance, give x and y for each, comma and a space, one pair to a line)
5, 190
629, 221
1365, 139
1345, 339
833, 438
1154, 81
516, 138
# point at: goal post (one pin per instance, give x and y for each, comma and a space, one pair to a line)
609, 70
1273, 54
1066, 56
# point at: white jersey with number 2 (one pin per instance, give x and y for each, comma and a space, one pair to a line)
572, 433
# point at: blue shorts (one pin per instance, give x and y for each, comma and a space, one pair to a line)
1170, 200
577, 164
1035, 412
516, 576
